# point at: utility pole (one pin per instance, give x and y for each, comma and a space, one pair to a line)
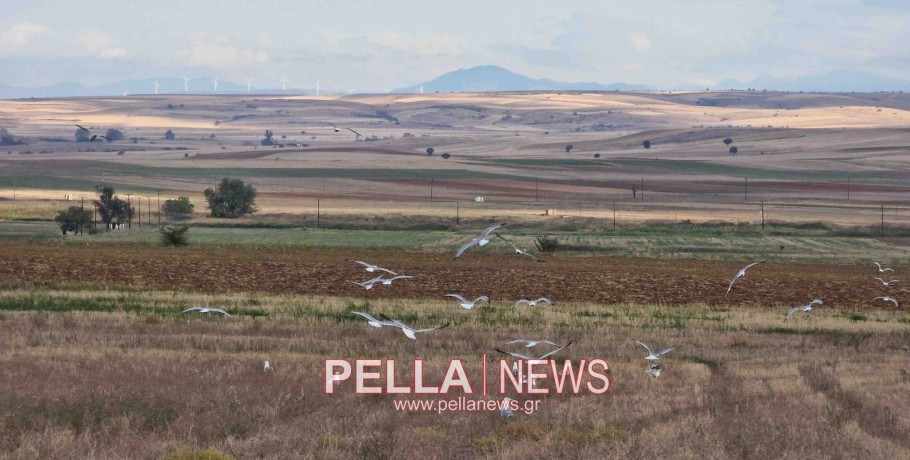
762, 215
614, 216
883, 221
14, 188
129, 207
159, 208
537, 190
457, 212
432, 183
140, 212
642, 189
95, 216
746, 193
82, 217
317, 212
148, 201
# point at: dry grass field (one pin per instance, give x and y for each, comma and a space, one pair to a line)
137, 379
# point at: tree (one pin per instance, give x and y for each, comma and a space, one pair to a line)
72, 218
728, 141
169, 135
114, 135
7, 139
83, 135
231, 199
734, 150
110, 207
430, 150
174, 236
179, 208
646, 144
267, 140
569, 148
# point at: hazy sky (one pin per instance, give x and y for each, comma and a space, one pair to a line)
371, 45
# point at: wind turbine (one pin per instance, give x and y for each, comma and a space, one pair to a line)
420, 90
387, 91
186, 84
284, 83
249, 81
215, 83
156, 86
317, 87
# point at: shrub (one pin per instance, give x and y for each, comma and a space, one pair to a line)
114, 135
179, 208
174, 236
569, 148
169, 135
547, 243
231, 199
646, 144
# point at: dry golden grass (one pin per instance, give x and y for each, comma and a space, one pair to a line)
154, 383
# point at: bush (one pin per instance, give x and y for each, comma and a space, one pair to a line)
169, 135
547, 243
734, 150
174, 236
646, 144
72, 218
179, 208
569, 148
114, 135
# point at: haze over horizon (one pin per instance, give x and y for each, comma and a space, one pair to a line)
373, 46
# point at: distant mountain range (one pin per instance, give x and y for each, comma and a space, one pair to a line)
487, 78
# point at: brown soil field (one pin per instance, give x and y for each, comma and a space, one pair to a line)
301, 271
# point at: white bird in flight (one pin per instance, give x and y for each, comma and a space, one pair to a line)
409, 331
481, 240
739, 275
505, 409
355, 132
268, 367
887, 298
805, 308
655, 356
368, 284
533, 343
388, 281
335, 128
372, 321
533, 303
373, 268
207, 310
544, 356
518, 250
654, 371
468, 304
882, 269
885, 283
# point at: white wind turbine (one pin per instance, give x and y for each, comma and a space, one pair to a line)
284, 83
420, 90
317, 87
249, 81
186, 85
214, 85
156, 86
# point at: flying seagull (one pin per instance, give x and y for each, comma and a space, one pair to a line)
408, 330
740, 274
885, 283
355, 132
372, 268
388, 281
481, 240
372, 321
268, 367
655, 356
368, 284
533, 303
544, 356
533, 343
468, 304
654, 371
881, 269
335, 127
94, 136
207, 310
805, 308
518, 250
887, 298
505, 409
